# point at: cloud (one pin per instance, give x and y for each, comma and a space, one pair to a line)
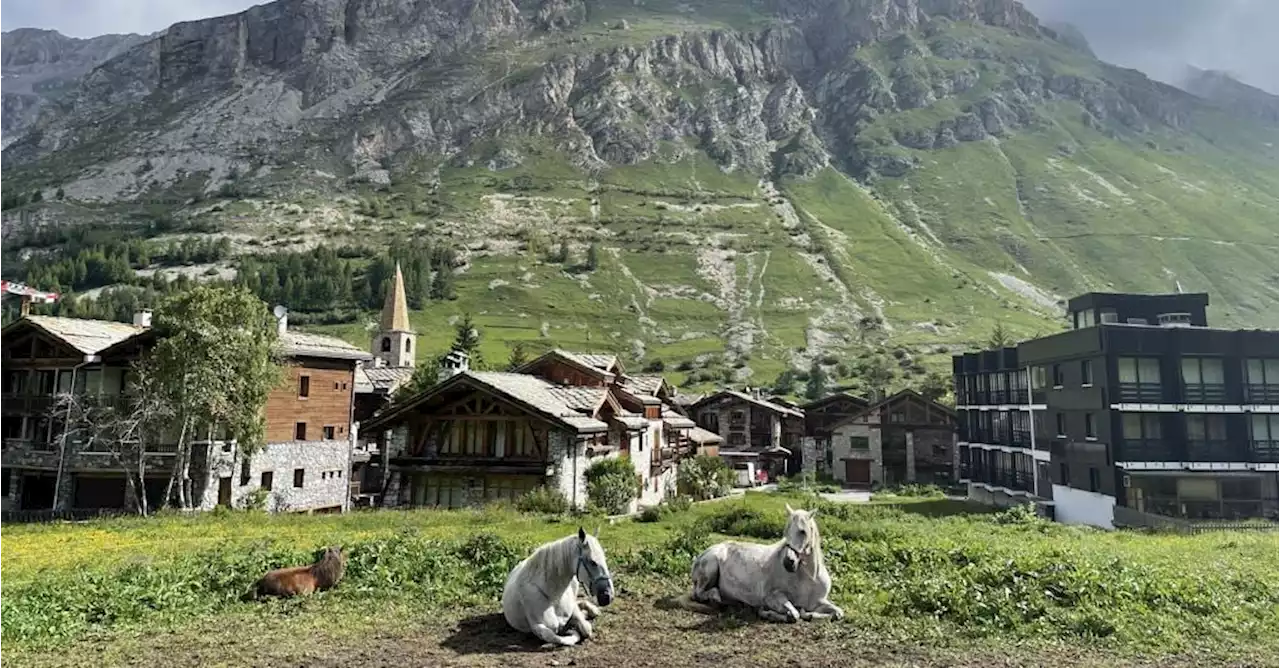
90, 18
1162, 37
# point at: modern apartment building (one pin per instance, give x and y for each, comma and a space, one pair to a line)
1140, 406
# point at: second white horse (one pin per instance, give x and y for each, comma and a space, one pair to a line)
541, 594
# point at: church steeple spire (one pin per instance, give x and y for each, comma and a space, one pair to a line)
395, 311
393, 344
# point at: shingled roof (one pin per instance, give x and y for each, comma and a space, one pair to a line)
382, 378
302, 344
87, 336
571, 406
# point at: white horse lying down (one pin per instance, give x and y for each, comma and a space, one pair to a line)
784, 582
541, 594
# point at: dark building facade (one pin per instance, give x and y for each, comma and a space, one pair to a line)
1141, 406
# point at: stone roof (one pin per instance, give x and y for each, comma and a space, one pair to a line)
643, 384
87, 336
395, 311
574, 404
769, 405
382, 378
302, 344
678, 421
703, 437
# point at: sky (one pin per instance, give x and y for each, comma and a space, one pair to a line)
90, 18
1162, 37
1159, 37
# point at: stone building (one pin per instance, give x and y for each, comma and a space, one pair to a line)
485, 435
819, 417
904, 438
757, 433
309, 429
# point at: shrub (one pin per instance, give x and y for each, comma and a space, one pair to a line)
543, 500
612, 485
673, 557
704, 477
806, 483
671, 506
915, 490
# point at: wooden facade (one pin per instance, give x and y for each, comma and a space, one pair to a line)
324, 413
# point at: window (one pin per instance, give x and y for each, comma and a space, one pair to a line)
300, 431
386, 344
737, 438
299, 477
1108, 315
1263, 427
1064, 474
1090, 430
408, 345
1095, 479
1141, 427
244, 472
1261, 372
1037, 378
897, 417
328, 432
1086, 373
267, 477
1202, 378
335, 385
1062, 424
1057, 376
859, 443
304, 387
1139, 378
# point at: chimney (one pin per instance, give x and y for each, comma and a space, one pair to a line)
142, 318
282, 319
453, 364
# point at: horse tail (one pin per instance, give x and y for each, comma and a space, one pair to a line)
686, 602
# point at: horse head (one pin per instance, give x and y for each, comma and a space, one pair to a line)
593, 570
800, 539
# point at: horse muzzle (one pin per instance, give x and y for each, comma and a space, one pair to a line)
604, 594
790, 560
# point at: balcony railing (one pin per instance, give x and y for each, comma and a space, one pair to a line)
1257, 393
1141, 392
1204, 394
34, 446
1014, 480
1264, 451
1147, 451
1216, 450
36, 404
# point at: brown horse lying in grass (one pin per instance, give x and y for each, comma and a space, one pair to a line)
302, 580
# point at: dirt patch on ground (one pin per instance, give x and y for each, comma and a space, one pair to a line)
636, 632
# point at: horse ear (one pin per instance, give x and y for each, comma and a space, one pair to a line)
790, 509
582, 535
813, 513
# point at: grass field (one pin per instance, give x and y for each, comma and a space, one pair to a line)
931, 582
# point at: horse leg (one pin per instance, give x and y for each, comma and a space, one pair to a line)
778, 609
547, 635
547, 625
589, 609
579, 621
824, 610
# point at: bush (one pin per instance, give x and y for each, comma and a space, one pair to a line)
672, 557
671, 506
806, 483
705, 477
612, 485
914, 490
743, 521
543, 500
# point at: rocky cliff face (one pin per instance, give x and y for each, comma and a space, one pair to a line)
1222, 89
374, 83
41, 64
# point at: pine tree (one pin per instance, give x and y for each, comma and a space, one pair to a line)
518, 356
999, 337
816, 387
467, 339
442, 285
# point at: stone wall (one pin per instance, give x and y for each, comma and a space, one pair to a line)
841, 449
325, 469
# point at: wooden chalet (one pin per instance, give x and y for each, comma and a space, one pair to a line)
903, 438
483, 435
819, 417
756, 432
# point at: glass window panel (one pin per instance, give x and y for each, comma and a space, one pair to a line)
1253, 371
1211, 371
1198, 488
1148, 370
1151, 426
1133, 426
1128, 367
1191, 371
1195, 427
1270, 371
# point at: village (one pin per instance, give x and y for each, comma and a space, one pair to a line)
341, 433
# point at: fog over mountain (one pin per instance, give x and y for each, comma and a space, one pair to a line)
1163, 37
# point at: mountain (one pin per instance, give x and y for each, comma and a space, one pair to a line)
1230, 93
38, 65
762, 183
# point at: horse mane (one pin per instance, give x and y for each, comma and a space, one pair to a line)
812, 541
329, 569
553, 559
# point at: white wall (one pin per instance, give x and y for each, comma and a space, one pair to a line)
1077, 506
